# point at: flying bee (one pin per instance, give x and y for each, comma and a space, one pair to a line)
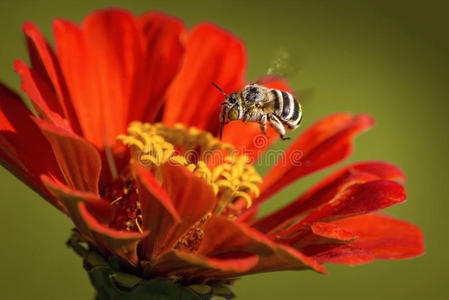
256, 103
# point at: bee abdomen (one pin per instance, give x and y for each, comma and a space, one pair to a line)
287, 108
277, 97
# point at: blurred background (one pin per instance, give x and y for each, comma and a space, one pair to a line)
386, 58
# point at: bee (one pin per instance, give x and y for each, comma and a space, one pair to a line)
256, 103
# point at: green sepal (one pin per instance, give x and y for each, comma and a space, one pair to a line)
113, 284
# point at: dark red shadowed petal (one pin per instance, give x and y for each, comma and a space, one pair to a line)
23, 149
323, 144
78, 160
86, 211
158, 211
191, 265
326, 190
101, 61
163, 54
121, 243
356, 199
286, 258
212, 54
192, 198
222, 235
48, 69
384, 236
155, 201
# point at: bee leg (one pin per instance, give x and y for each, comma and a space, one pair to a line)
278, 126
263, 125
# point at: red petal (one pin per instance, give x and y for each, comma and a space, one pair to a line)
40, 94
326, 190
322, 145
100, 62
332, 232
384, 236
339, 254
320, 233
222, 235
192, 198
212, 54
163, 53
355, 200
102, 209
82, 207
47, 66
24, 150
78, 160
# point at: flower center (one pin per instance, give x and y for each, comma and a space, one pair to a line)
233, 180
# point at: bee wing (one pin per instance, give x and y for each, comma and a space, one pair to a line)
267, 79
274, 82
285, 62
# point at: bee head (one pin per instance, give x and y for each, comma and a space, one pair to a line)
231, 110
235, 111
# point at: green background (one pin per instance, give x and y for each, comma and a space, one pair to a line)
389, 59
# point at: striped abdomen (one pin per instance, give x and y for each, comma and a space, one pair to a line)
286, 108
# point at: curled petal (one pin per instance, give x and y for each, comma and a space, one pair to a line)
158, 210
118, 242
384, 236
86, 211
320, 233
326, 190
222, 235
79, 160
358, 198
181, 187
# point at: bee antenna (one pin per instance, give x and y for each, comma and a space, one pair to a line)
226, 96
221, 130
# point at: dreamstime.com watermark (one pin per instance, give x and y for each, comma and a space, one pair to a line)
256, 153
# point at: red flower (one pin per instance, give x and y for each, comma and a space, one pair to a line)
166, 204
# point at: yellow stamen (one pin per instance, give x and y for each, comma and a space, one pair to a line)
138, 225
152, 145
117, 200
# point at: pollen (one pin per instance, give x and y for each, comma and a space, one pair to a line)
230, 175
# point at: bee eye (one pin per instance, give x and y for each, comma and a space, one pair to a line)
233, 114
